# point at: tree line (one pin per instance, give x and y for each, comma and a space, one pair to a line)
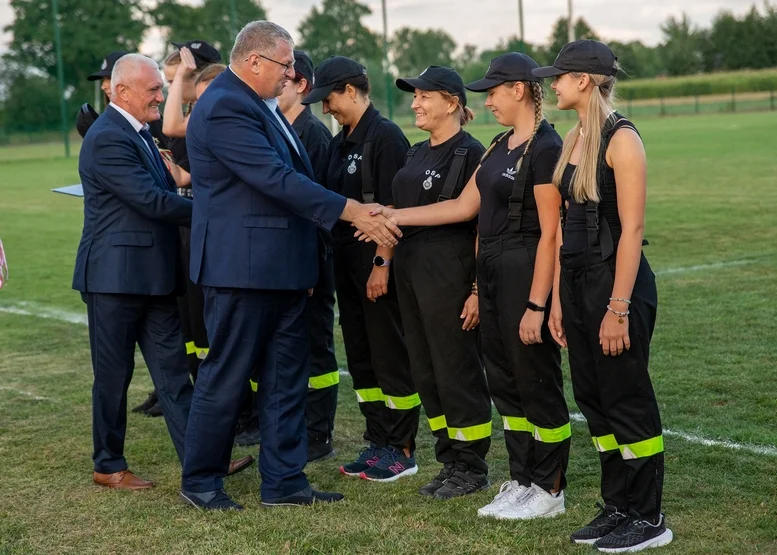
29, 95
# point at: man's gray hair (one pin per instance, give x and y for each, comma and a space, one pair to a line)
258, 36
125, 68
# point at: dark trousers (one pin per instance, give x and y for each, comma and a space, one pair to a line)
324, 374
251, 329
615, 392
116, 324
524, 380
375, 349
191, 305
434, 271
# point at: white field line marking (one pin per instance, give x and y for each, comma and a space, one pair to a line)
31, 309
25, 393
713, 266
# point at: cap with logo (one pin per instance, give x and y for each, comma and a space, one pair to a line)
506, 68
436, 78
107, 66
204, 54
582, 56
303, 66
329, 73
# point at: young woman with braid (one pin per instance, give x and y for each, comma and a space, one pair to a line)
519, 213
605, 299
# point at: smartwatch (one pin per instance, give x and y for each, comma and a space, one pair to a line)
535, 307
381, 262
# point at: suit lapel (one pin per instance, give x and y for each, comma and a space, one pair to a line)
140, 143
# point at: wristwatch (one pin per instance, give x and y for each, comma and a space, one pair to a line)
535, 307
381, 262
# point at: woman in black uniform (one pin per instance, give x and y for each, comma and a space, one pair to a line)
363, 159
519, 213
608, 299
435, 273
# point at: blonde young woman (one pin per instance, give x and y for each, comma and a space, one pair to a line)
519, 213
605, 299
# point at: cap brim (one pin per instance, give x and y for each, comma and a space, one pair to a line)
482, 85
318, 94
178, 44
548, 71
99, 75
410, 85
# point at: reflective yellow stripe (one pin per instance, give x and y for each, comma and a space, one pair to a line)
254, 385
403, 403
324, 381
370, 395
553, 435
471, 433
202, 352
643, 449
190, 348
605, 443
437, 423
516, 424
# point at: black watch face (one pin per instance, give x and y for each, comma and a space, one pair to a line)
379, 261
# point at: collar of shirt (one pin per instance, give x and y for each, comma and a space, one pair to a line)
357, 136
136, 125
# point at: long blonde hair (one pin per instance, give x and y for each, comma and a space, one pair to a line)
585, 184
537, 94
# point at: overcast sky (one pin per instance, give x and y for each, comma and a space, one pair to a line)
484, 22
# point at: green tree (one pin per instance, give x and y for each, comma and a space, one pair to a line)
212, 21
336, 29
681, 52
413, 50
560, 34
637, 60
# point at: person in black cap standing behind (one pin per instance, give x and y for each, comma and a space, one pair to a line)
324, 375
519, 215
608, 299
364, 157
435, 274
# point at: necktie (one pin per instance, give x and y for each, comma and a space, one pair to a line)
155, 156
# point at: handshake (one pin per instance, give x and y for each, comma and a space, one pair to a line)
374, 223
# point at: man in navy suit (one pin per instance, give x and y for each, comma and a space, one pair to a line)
127, 267
255, 252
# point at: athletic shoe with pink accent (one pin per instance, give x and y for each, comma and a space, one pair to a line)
368, 458
391, 466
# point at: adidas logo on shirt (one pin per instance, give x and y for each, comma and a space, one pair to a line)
510, 174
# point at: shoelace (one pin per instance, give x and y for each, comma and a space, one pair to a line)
389, 457
608, 512
366, 454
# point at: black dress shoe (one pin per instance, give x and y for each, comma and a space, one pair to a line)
307, 496
320, 451
210, 501
154, 411
150, 401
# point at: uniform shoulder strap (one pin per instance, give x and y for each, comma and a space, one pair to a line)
453, 180
368, 190
515, 206
410, 153
494, 144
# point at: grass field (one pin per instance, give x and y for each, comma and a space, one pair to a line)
713, 245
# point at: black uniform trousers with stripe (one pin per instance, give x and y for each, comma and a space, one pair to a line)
434, 271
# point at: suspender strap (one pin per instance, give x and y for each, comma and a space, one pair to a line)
515, 206
453, 180
368, 191
410, 154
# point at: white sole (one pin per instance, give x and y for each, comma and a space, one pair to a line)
658, 541
560, 511
586, 542
408, 472
189, 501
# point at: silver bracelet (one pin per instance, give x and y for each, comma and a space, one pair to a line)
621, 300
618, 314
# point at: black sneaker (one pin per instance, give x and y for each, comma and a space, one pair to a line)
307, 496
463, 482
320, 450
393, 464
635, 534
249, 436
437, 482
366, 459
150, 401
608, 519
210, 501
155, 410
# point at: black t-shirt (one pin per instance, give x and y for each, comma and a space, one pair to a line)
388, 149
497, 177
421, 181
315, 137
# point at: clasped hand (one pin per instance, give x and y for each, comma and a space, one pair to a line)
379, 214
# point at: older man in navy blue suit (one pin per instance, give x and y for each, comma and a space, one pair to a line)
128, 269
254, 251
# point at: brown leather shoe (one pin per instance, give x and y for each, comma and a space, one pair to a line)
239, 465
121, 480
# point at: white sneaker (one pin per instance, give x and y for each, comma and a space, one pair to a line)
537, 503
510, 493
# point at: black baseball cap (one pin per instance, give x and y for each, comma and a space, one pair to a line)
204, 54
436, 78
303, 66
512, 66
582, 56
107, 66
329, 73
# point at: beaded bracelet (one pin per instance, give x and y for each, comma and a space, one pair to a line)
621, 300
474, 290
620, 315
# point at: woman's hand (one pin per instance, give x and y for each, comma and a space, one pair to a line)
471, 313
377, 285
556, 324
614, 334
187, 65
379, 210
530, 330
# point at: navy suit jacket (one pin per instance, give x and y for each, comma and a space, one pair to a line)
130, 242
256, 206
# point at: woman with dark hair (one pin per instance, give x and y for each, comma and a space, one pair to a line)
363, 159
605, 299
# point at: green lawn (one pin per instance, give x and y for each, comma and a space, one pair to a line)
713, 246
